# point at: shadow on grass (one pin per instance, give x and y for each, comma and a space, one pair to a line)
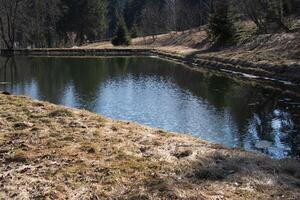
218, 169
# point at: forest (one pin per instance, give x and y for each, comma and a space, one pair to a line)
67, 23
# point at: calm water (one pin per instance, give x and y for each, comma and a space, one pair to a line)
164, 95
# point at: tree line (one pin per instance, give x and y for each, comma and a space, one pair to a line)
61, 23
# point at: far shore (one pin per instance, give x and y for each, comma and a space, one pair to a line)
283, 73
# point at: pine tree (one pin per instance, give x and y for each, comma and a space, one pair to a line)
86, 18
122, 36
134, 31
220, 27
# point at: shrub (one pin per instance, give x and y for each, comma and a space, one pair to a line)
121, 37
134, 31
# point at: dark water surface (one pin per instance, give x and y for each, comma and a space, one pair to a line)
165, 95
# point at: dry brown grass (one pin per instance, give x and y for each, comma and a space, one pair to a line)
176, 42
52, 152
281, 48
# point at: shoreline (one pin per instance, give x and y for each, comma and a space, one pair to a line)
53, 151
284, 74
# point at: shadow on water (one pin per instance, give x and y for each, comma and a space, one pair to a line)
161, 94
8, 73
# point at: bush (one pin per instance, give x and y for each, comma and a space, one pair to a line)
134, 31
121, 37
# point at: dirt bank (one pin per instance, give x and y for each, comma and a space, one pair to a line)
49, 151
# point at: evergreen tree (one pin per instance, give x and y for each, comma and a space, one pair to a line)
132, 12
122, 36
220, 27
85, 18
134, 31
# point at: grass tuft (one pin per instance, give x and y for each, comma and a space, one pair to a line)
17, 158
61, 113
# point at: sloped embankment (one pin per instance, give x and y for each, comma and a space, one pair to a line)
275, 56
49, 151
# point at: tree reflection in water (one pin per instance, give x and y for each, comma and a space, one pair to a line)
162, 94
8, 73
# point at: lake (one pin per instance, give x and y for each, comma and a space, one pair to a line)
212, 106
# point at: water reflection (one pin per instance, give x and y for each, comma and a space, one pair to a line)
165, 95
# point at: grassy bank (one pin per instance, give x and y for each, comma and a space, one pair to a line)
280, 48
275, 56
49, 151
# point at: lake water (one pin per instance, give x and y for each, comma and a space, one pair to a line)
164, 95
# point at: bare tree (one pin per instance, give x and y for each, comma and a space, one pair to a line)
276, 16
9, 11
266, 14
205, 8
149, 22
39, 22
154, 19
171, 13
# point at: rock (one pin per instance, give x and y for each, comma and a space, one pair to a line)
263, 144
5, 93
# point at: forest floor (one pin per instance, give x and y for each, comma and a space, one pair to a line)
280, 48
52, 152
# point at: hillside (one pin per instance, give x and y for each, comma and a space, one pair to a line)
280, 48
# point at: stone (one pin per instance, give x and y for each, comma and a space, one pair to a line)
5, 93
